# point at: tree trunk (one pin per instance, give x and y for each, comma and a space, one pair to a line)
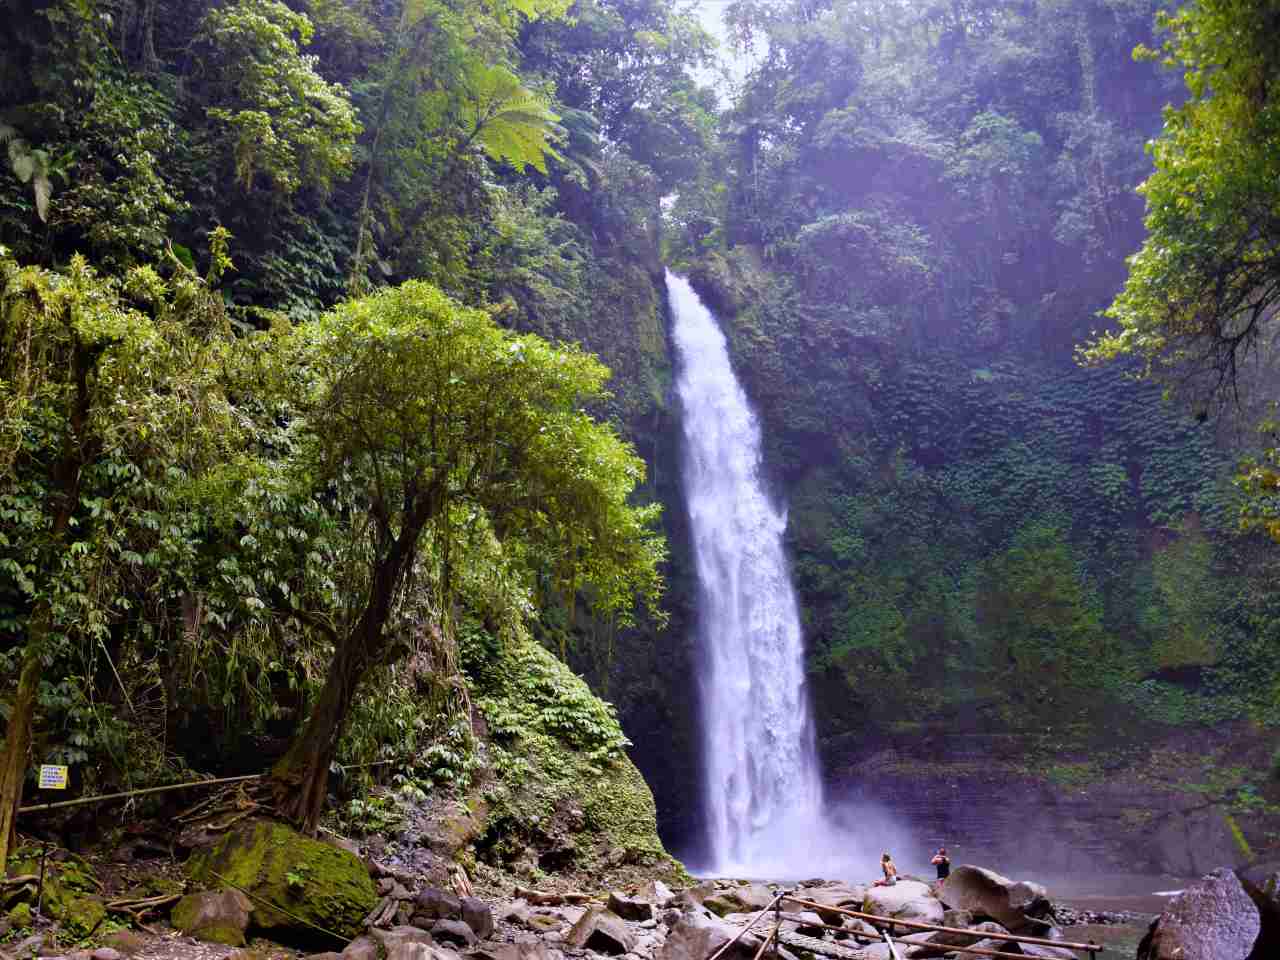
299, 780
13, 762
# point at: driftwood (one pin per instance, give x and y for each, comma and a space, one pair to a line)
383, 912
19, 881
540, 899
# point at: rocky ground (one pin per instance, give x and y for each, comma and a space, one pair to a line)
259, 891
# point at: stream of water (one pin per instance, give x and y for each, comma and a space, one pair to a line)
763, 794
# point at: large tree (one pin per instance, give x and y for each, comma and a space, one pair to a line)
421, 419
1202, 292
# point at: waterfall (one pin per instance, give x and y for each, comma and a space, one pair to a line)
763, 794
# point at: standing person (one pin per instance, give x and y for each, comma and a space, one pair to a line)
890, 872
942, 862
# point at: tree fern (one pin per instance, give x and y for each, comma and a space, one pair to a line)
512, 123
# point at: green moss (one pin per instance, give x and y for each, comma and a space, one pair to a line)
1238, 836
82, 915
185, 916
20, 916
331, 888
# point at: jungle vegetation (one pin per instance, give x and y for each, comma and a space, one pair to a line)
298, 386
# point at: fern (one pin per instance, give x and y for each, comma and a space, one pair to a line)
512, 123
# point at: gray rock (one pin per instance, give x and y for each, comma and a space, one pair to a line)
390, 939
361, 948
1262, 882
986, 893
327, 955
905, 900
107, 953
536, 950
630, 908
601, 930
695, 936
408, 950
438, 904
455, 932
28, 947
477, 915
1213, 919
399, 891
655, 891
1047, 953
1192, 842
214, 916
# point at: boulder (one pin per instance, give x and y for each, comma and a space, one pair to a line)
361, 948
1045, 952
601, 930
1262, 882
438, 904
320, 885
420, 951
985, 893
750, 898
833, 895
477, 915
1213, 919
695, 936
214, 916
390, 939
905, 900
655, 891
514, 951
455, 932
630, 908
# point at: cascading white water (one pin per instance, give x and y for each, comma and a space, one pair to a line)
763, 793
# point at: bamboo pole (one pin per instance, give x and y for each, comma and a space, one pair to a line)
1017, 938
102, 798
738, 936
861, 935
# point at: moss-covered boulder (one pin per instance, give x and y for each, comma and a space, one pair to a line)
214, 916
69, 889
20, 916
299, 886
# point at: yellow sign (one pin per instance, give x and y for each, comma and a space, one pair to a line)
53, 777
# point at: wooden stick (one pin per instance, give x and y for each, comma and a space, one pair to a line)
18, 881
739, 934
1016, 938
128, 906
764, 946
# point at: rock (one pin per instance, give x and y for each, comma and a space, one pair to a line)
905, 900
957, 918
1213, 919
385, 886
107, 953
753, 897
986, 893
20, 917
601, 930
1192, 842
126, 941
409, 950
361, 948
321, 884
438, 904
29, 947
630, 908
655, 891
343, 843
477, 915
390, 939
514, 951
695, 936
399, 892
327, 955
834, 895
517, 911
455, 932
214, 916
1262, 882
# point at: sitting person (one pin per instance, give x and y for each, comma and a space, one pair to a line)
890, 872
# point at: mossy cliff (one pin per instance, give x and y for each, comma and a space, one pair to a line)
562, 795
